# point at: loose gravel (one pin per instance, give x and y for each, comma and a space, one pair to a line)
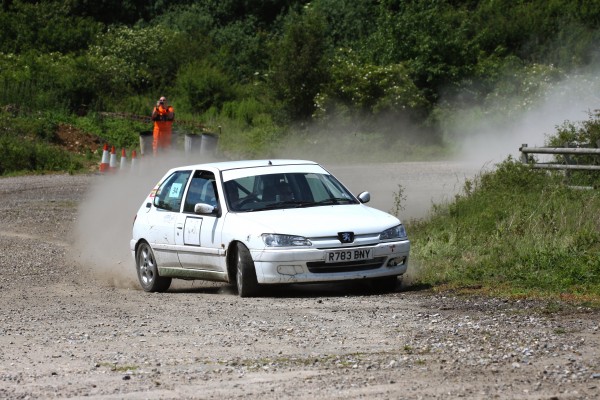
66, 333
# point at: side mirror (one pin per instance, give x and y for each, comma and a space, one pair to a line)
364, 197
205, 209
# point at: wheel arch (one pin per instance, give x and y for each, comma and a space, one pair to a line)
231, 260
138, 243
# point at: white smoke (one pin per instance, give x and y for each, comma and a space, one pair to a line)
494, 138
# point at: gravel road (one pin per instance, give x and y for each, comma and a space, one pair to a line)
73, 325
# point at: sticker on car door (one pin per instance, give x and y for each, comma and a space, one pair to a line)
191, 231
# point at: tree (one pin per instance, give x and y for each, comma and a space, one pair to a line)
298, 63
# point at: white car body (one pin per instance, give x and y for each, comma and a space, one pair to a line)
210, 240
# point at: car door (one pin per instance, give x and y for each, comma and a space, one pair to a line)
163, 217
198, 237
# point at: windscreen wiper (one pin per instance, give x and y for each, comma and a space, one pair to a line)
333, 200
288, 204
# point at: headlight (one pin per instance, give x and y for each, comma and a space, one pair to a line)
276, 240
397, 232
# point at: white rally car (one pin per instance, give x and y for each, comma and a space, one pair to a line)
253, 223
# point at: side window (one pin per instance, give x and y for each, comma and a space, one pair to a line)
170, 193
201, 190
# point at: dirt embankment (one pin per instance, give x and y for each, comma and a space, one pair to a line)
66, 331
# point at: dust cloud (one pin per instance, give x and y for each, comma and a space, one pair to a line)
510, 123
496, 132
105, 218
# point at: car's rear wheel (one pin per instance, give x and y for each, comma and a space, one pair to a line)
147, 270
245, 279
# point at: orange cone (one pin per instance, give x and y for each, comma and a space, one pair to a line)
104, 163
123, 161
113, 159
133, 159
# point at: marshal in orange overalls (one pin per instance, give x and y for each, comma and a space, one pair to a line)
163, 116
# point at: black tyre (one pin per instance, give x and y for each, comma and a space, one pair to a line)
245, 278
147, 270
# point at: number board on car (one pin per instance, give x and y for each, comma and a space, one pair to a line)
336, 256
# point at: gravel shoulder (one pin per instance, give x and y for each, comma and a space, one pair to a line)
67, 330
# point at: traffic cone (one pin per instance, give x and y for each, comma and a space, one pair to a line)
104, 163
113, 159
123, 161
133, 159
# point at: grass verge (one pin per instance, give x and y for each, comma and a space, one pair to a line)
515, 232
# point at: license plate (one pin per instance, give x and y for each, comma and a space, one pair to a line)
336, 256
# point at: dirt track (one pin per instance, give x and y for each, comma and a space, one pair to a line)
65, 332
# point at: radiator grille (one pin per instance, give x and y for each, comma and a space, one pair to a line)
323, 267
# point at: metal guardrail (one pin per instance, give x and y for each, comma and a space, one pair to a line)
147, 118
566, 151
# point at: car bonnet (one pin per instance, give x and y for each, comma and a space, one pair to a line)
316, 221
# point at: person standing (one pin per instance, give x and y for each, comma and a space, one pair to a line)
162, 115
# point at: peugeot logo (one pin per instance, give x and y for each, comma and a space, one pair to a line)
346, 237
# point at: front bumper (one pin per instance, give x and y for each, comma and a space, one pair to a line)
275, 266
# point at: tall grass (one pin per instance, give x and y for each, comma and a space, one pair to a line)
515, 231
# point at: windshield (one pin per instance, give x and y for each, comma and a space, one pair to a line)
285, 190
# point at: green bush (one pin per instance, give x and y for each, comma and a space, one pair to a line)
130, 57
118, 132
44, 26
298, 63
581, 134
513, 230
200, 87
26, 156
357, 88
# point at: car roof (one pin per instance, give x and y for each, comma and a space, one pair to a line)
231, 165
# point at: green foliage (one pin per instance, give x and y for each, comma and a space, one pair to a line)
519, 87
434, 39
558, 32
298, 63
348, 21
356, 88
243, 50
583, 134
513, 229
242, 141
247, 112
21, 156
24, 154
378, 64
201, 87
46, 26
121, 133
37, 128
130, 58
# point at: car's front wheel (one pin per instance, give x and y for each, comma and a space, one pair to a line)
147, 270
246, 282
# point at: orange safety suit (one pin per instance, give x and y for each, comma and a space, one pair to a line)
163, 116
